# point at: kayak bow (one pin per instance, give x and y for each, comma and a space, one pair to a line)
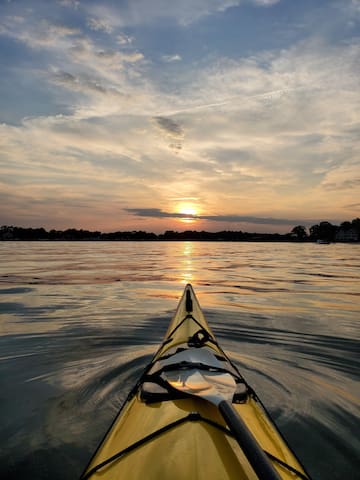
193, 416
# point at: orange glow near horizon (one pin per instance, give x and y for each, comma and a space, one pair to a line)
190, 209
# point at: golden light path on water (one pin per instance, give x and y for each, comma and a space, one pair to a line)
187, 275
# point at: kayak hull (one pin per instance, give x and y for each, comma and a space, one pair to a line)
177, 436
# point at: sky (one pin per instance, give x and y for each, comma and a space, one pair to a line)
174, 115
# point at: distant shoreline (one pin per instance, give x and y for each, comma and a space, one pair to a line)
297, 235
309, 242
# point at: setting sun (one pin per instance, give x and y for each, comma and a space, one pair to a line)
188, 209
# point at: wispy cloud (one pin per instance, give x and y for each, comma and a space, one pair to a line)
123, 39
69, 3
266, 2
44, 34
353, 205
84, 85
98, 24
171, 58
185, 12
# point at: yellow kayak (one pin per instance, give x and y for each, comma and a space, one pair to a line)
192, 416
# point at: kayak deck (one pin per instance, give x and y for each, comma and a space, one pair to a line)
164, 433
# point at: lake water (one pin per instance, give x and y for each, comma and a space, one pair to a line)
79, 322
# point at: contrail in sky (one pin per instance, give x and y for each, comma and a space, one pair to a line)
265, 96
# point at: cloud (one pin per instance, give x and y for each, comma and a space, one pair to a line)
106, 62
184, 13
40, 35
172, 130
69, 3
75, 52
171, 58
343, 178
142, 12
123, 39
169, 126
266, 3
346, 184
107, 76
84, 85
158, 213
98, 24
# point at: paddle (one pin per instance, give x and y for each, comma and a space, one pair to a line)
219, 388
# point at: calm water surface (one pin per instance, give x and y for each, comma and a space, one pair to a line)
79, 322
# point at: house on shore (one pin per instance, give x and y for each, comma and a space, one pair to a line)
347, 235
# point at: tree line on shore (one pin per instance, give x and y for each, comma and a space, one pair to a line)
346, 231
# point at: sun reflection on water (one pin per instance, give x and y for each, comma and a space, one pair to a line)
187, 265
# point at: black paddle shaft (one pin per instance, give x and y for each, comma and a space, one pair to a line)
252, 450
